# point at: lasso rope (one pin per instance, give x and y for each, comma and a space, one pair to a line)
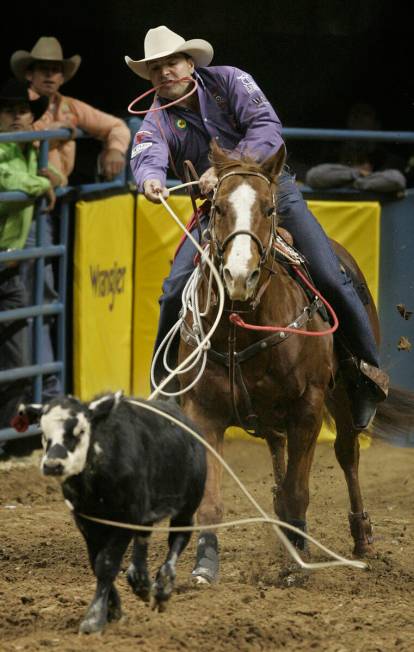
154, 109
265, 518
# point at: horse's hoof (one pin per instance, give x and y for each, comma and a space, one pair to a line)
201, 577
361, 530
363, 550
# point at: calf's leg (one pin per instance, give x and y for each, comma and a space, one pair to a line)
164, 580
137, 574
105, 552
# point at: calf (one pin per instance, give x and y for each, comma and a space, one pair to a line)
121, 462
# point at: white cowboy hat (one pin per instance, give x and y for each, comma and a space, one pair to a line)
161, 42
47, 48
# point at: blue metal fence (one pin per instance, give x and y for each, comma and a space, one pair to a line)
66, 197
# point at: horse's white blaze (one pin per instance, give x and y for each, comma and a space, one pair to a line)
242, 200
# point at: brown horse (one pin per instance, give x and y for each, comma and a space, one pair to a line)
277, 385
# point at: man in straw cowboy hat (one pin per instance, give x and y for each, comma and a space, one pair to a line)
46, 69
232, 110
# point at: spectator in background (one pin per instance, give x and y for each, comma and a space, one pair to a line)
18, 171
46, 70
363, 165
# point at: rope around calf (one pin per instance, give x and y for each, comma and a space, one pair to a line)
265, 518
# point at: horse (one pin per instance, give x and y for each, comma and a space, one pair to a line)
278, 386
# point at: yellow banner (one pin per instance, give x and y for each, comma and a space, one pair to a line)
356, 226
103, 262
157, 238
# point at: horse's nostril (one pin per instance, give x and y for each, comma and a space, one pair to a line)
227, 275
253, 278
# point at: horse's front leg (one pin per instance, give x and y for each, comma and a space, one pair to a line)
303, 431
347, 454
276, 442
211, 508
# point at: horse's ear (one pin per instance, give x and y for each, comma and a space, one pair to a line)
218, 157
273, 165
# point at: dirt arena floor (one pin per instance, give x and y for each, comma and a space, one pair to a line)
46, 583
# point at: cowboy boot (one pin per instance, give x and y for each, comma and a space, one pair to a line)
366, 387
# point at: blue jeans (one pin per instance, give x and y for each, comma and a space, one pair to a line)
324, 266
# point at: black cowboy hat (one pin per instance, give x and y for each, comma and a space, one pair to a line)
13, 91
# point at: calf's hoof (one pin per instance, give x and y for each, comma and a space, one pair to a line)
206, 569
361, 530
139, 583
96, 618
92, 625
163, 587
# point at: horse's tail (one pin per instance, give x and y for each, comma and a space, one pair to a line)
395, 416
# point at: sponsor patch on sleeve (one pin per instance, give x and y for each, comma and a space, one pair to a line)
140, 148
140, 135
248, 83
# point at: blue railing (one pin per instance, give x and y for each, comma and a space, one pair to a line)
39, 310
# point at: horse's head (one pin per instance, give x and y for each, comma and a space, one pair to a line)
243, 218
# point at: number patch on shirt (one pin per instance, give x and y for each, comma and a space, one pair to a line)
140, 148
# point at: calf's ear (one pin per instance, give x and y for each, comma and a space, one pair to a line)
27, 414
102, 406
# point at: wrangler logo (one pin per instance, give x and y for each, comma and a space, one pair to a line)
108, 282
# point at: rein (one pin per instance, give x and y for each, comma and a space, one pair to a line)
292, 328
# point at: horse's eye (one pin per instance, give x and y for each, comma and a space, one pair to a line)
270, 211
217, 209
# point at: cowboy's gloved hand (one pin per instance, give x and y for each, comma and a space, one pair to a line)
207, 181
112, 163
153, 189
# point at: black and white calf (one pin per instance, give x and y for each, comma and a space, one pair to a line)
121, 462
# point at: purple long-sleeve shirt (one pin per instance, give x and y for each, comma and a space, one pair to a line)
233, 111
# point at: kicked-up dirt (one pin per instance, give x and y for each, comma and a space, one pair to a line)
46, 583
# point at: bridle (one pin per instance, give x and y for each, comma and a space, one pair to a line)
220, 247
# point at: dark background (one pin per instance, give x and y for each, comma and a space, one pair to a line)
312, 58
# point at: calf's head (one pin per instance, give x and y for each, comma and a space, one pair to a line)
66, 425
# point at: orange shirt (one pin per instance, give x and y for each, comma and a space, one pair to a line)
111, 130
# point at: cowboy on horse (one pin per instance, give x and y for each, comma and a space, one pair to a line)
230, 109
